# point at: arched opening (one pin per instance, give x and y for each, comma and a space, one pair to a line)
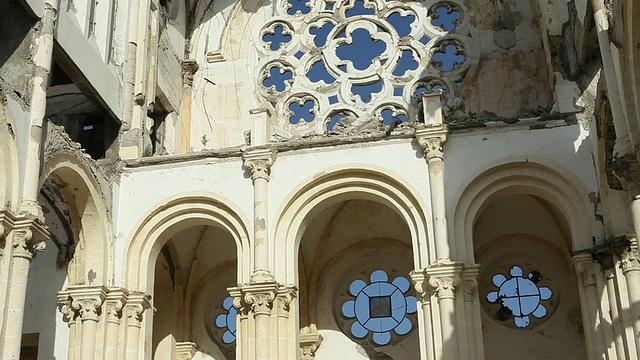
357, 235
192, 243
354, 263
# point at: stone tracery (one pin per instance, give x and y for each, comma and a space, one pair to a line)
358, 58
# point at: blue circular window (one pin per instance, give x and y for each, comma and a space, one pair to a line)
519, 296
228, 321
380, 307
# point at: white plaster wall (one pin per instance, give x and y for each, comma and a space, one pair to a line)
564, 149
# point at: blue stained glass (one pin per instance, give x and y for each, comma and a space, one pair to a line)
298, 5
520, 295
359, 9
446, 18
332, 100
366, 91
321, 33
277, 38
388, 117
405, 63
227, 320
318, 72
402, 24
299, 55
333, 121
449, 57
278, 78
362, 50
425, 39
380, 307
302, 112
397, 91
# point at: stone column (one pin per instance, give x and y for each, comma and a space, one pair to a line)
631, 269
116, 298
443, 280
425, 320
70, 316
596, 348
260, 298
27, 238
87, 301
259, 162
186, 350
136, 304
287, 348
310, 341
189, 68
472, 323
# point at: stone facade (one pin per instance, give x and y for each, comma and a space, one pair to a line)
288, 179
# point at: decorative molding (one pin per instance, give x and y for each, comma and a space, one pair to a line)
259, 162
262, 276
215, 56
26, 233
261, 300
419, 278
285, 295
469, 278
607, 251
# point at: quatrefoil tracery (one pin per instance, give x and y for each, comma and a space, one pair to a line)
406, 43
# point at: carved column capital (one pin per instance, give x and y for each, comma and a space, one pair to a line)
25, 245
444, 278
420, 279
260, 300
584, 265
310, 341
259, 163
285, 295
64, 305
469, 278
135, 306
186, 350
116, 299
432, 142
87, 301
630, 261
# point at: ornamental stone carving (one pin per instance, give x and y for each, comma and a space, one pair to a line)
469, 281
116, 300
444, 286
310, 341
135, 307
419, 279
259, 163
24, 245
630, 261
87, 301
261, 301
286, 294
584, 264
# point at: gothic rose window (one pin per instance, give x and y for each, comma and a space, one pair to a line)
357, 64
379, 308
227, 321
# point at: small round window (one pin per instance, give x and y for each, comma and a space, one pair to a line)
519, 300
378, 312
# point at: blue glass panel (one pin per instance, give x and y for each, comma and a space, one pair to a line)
334, 119
357, 285
388, 117
362, 50
425, 39
318, 72
228, 337
299, 55
513, 304
372, 290
499, 279
334, 99
545, 293
528, 304
221, 320
278, 78
397, 91
492, 296
527, 287
521, 321
401, 283
301, 112
402, 24
449, 57
412, 304
382, 338
516, 271
227, 303
404, 327
381, 324
298, 5
321, 33
540, 312
509, 288
445, 18
362, 308
366, 91
386, 289
359, 9
358, 330
277, 38
349, 308
406, 63
379, 276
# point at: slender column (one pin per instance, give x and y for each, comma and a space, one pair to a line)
87, 300
610, 286
425, 321
259, 163
285, 296
25, 245
631, 269
589, 306
116, 298
189, 68
443, 279
432, 138
471, 324
136, 305
70, 316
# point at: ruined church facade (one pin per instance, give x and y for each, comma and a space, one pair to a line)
322, 179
